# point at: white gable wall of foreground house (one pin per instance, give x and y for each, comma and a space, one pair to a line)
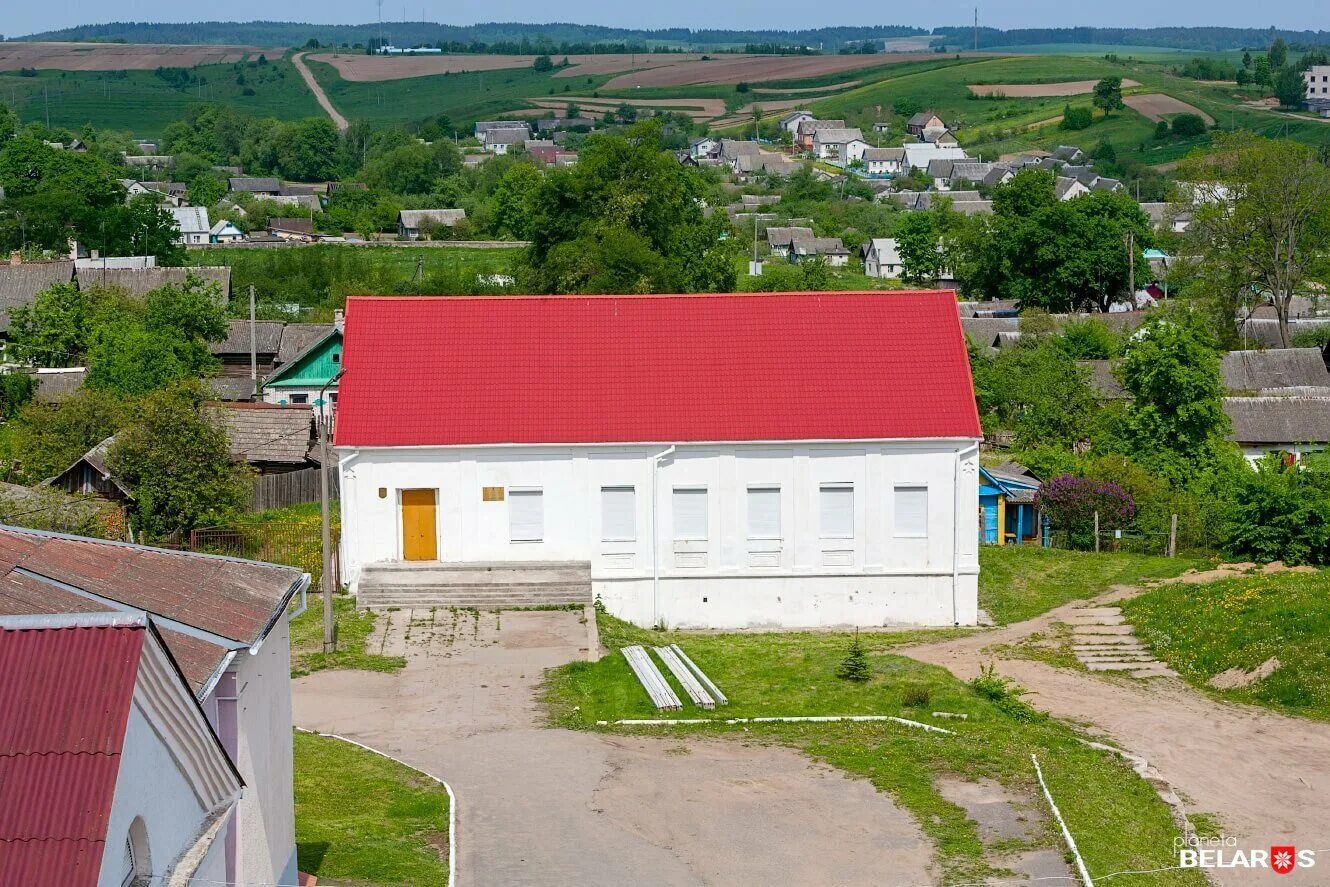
728, 528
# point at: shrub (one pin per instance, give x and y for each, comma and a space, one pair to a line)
1004, 694
855, 666
1188, 126
1076, 118
1071, 503
1161, 130
1282, 512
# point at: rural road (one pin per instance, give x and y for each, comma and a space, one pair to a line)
540, 806
326, 103
1263, 775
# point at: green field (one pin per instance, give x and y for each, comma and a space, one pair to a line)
1202, 630
1119, 822
142, 103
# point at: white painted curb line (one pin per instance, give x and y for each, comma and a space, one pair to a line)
452, 798
792, 719
1066, 833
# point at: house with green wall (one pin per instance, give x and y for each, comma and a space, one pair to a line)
301, 380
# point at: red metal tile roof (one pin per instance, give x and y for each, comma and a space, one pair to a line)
65, 695
602, 369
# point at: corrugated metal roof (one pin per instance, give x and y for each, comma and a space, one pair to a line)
65, 695
20, 284
1279, 420
139, 281
265, 432
600, 369
1278, 368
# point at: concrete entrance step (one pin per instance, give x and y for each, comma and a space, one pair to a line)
474, 584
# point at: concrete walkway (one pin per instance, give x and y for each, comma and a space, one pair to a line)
1265, 776
320, 96
557, 807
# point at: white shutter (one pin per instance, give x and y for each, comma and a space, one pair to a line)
764, 512
690, 513
912, 511
837, 511
618, 514
526, 516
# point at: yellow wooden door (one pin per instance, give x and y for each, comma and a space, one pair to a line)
420, 541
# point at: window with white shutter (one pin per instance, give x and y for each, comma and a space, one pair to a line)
526, 516
911, 511
764, 512
837, 502
690, 513
618, 514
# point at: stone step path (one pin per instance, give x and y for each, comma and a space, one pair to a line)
1102, 640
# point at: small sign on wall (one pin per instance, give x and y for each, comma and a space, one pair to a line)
491, 494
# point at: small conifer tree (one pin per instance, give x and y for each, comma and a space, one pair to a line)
855, 666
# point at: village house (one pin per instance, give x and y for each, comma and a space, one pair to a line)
881, 258
807, 130
113, 774
270, 438
225, 232
780, 239
1007, 513
703, 147
553, 124
883, 161
299, 230
924, 122
747, 495
843, 144
20, 282
1316, 86
139, 281
259, 187
790, 122
413, 223
191, 224
919, 154
224, 622
1291, 426
828, 249
943, 138
502, 140
309, 376
484, 126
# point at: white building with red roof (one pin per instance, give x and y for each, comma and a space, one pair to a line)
723, 461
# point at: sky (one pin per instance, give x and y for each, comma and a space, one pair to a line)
25, 18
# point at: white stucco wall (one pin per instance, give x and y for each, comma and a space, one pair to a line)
150, 785
265, 816
727, 580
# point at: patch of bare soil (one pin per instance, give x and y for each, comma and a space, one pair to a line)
759, 69
1156, 106
1040, 90
15, 55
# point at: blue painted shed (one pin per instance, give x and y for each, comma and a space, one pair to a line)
1007, 513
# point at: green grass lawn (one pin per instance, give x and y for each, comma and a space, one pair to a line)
1202, 630
364, 819
1117, 819
143, 104
1017, 582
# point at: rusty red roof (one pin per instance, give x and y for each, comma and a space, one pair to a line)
205, 605
65, 696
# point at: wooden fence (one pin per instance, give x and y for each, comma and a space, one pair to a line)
291, 488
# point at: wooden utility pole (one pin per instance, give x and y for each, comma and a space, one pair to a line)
1096, 532
253, 347
1173, 536
325, 456
1131, 266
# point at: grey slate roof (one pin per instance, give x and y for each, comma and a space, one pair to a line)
231, 387
266, 432
267, 335
1265, 331
20, 284
1102, 381
414, 218
296, 337
785, 236
138, 281
254, 185
1278, 368
53, 387
897, 154
984, 331
1279, 420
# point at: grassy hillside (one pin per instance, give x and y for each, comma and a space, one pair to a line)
143, 103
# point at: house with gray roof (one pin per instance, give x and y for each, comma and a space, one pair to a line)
271, 438
780, 240
829, 249
140, 281
883, 161
258, 186
1293, 426
1281, 368
20, 282
411, 223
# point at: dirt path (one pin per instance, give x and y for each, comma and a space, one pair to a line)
544, 806
1264, 775
326, 103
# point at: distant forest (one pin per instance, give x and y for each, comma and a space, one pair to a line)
560, 36
1201, 38
495, 34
